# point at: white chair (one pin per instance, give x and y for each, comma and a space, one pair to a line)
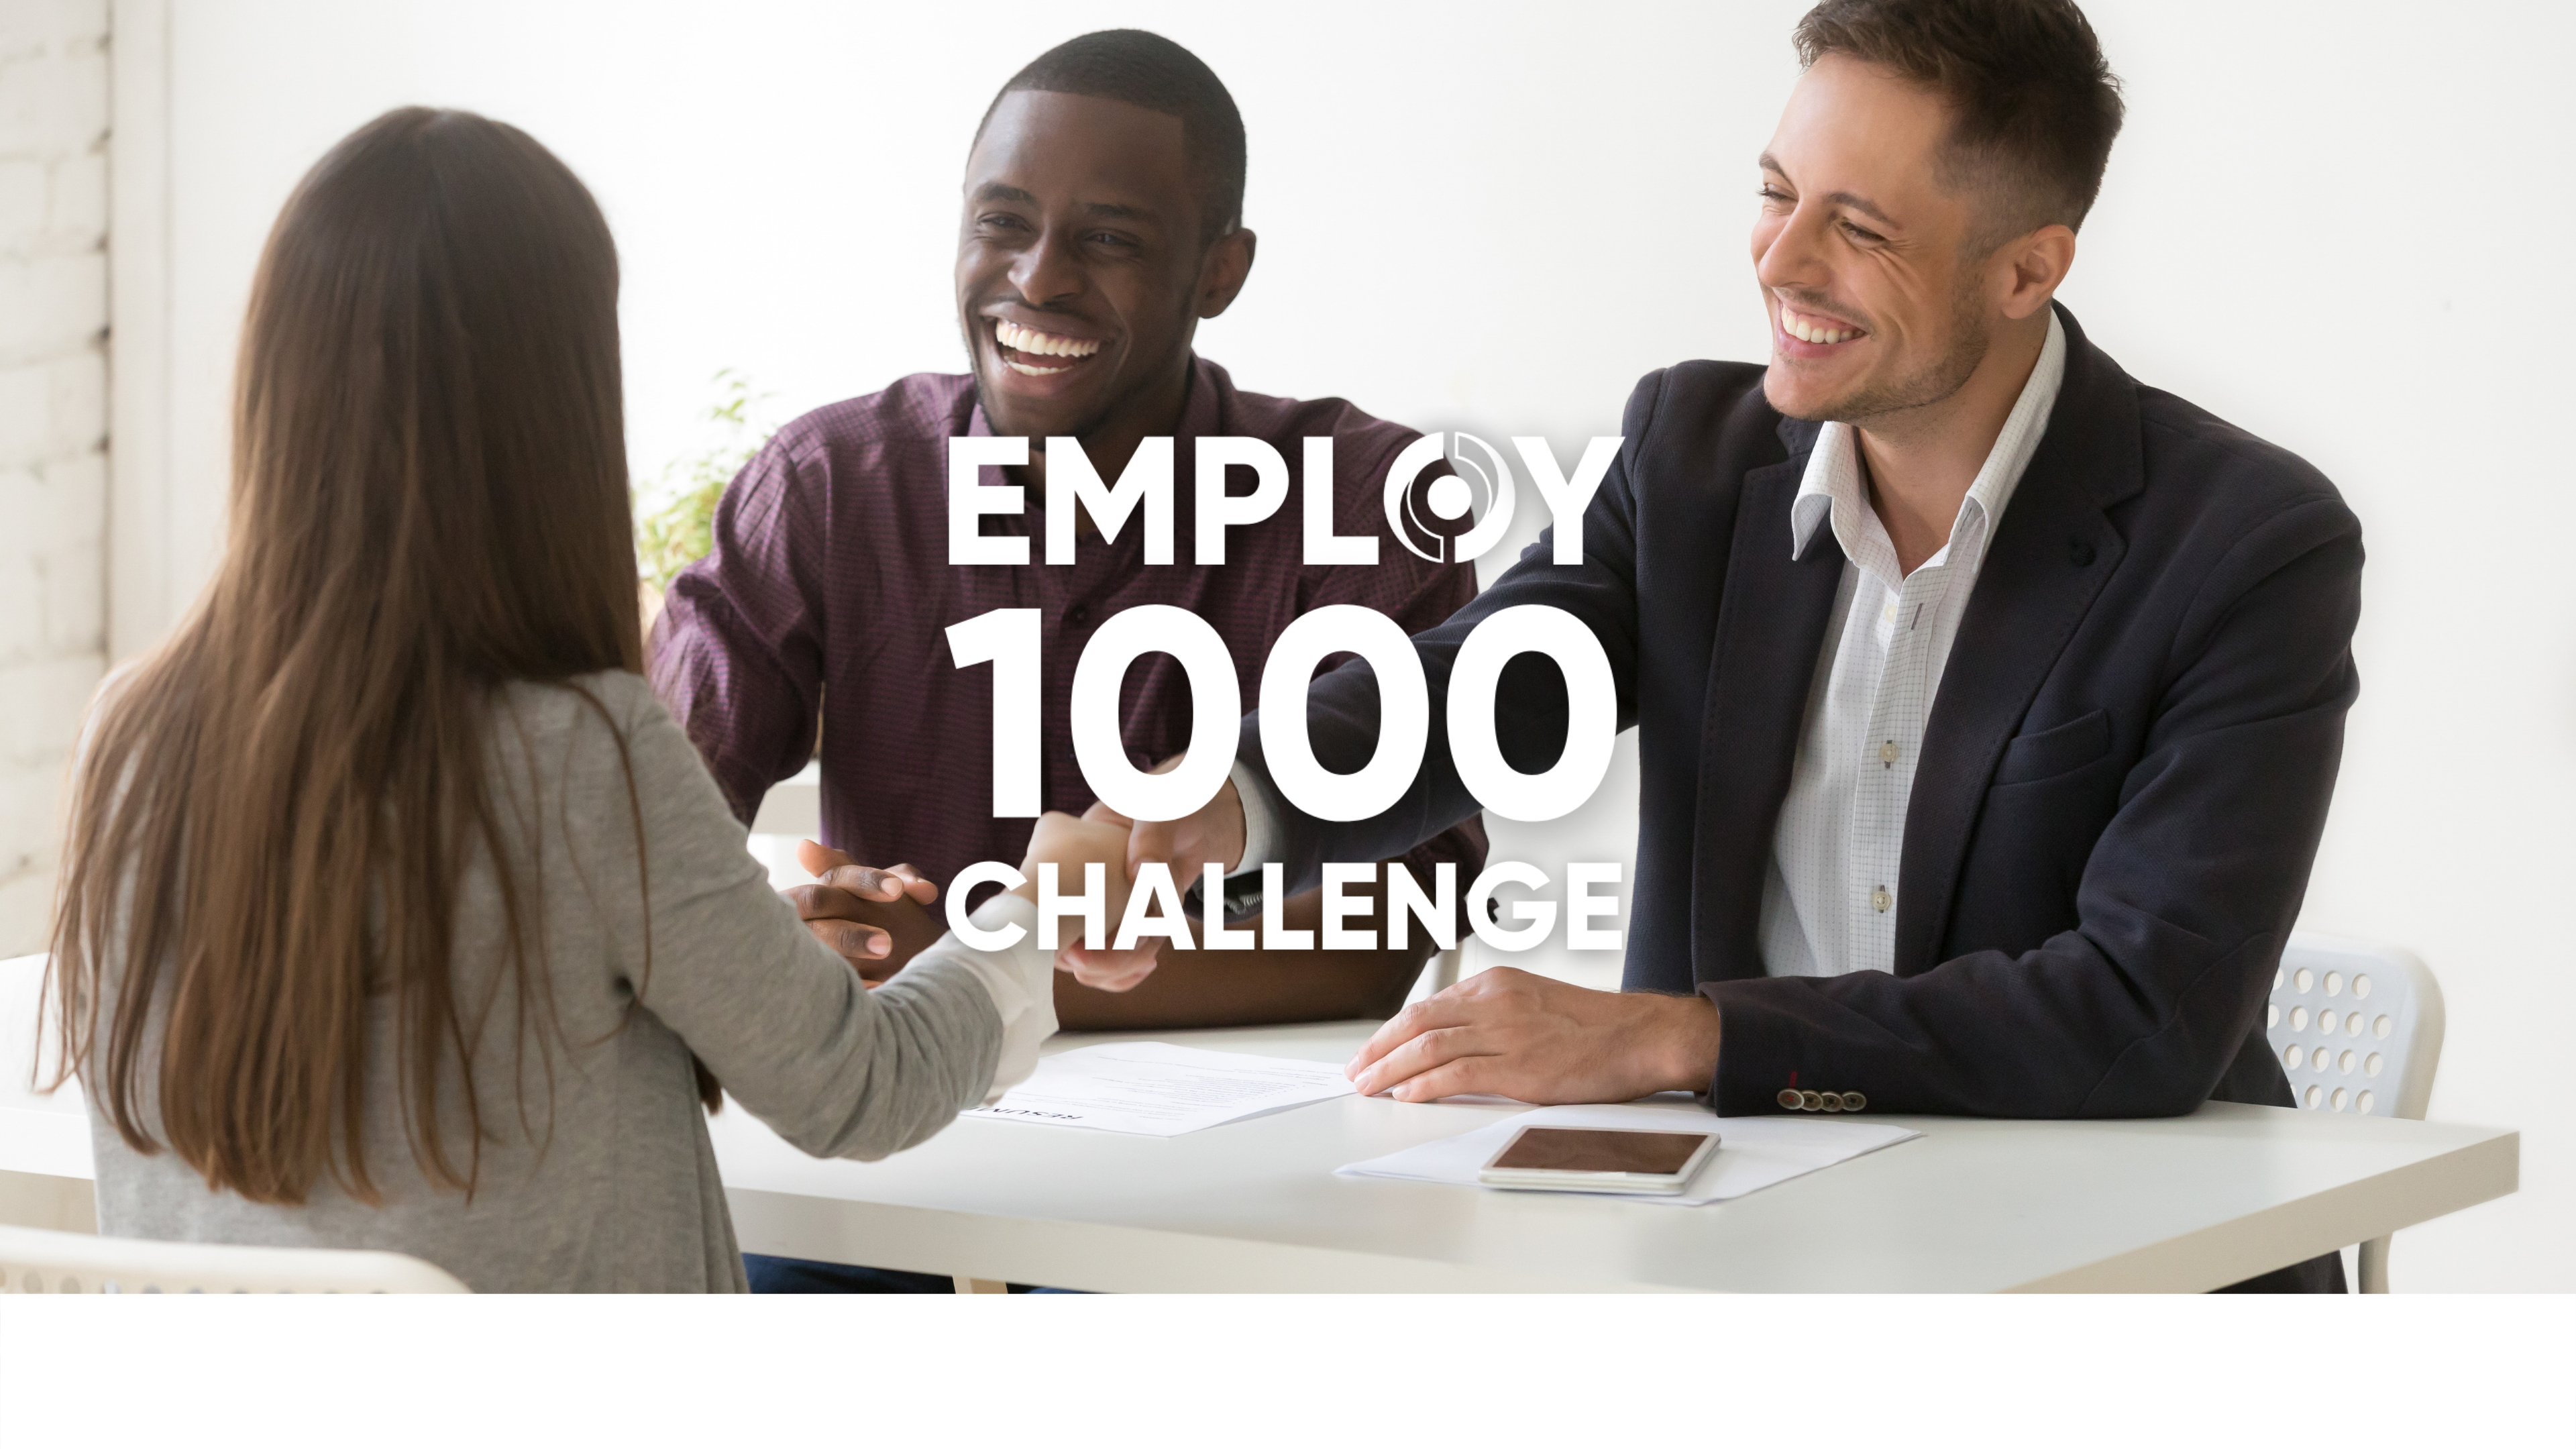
33, 1260
2358, 1027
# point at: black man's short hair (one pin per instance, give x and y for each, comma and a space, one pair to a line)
1144, 69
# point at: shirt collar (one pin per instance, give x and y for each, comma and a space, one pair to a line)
1832, 486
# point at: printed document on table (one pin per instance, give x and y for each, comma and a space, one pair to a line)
1161, 1090
1752, 1152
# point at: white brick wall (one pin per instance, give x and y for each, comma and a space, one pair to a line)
53, 426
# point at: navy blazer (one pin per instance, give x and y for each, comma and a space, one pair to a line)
2122, 783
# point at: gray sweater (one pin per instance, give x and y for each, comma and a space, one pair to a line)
612, 1185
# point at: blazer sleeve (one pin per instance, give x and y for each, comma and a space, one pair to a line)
1417, 595
2182, 907
1530, 707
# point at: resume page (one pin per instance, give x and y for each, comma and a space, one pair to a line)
1160, 1090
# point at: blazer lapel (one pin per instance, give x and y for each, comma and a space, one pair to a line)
1770, 624
2050, 557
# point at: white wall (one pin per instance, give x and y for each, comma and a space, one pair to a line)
53, 426
2341, 228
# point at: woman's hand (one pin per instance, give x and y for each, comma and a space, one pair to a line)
1212, 835
1073, 845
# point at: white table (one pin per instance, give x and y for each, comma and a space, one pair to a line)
2180, 1204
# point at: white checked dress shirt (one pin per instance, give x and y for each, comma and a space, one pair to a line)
1829, 903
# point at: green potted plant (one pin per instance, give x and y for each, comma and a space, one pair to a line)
675, 517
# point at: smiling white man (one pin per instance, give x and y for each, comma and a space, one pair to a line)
1989, 702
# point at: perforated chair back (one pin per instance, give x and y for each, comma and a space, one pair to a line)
33, 1260
2358, 1026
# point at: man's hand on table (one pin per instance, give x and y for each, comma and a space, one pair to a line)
874, 919
1213, 833
1537, 1040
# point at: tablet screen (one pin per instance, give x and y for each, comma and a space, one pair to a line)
1592, 1149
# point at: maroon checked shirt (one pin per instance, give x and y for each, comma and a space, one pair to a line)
826, 600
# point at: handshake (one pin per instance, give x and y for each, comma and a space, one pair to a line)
878, 919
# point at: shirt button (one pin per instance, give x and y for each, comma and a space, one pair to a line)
1880, 900
1078, 615
1889, 613
1854, 1102
1811, 1101
1789, 1098
1887, 753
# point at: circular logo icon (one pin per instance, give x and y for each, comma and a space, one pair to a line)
1477, 468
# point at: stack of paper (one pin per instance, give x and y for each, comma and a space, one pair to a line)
1161, 1090
1752, 1152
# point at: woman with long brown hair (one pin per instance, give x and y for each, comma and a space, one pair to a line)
396, 913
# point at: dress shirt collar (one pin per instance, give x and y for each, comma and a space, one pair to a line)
1832, 485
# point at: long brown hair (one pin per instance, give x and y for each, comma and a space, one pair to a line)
270, 820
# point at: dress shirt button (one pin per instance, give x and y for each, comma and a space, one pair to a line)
1887, 753
1811, 1101
1880, 900
1889, 613
1855, 1102
1789, 1098
1078, 615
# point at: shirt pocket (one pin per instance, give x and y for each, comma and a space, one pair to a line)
2057, 751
